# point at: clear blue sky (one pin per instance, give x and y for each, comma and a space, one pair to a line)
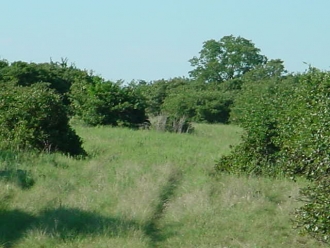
153, 39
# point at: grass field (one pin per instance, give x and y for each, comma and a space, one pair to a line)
144, 189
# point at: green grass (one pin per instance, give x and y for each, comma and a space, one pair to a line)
144, 189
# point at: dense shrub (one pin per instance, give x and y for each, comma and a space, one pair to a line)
59, 75
197, 101
106, 103
305, 131
286, 125
34, 118
314, 216
256, 109
199, 106
304, 127
157, 91
287, 130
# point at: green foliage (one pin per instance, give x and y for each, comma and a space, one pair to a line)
287, 131
59, 75
314, 217
199, 106
196, 101
3, 63
203, 99
34, 117
257, 108
304, 127
286, 124
157, 91
305, 131
106, 103
229, 58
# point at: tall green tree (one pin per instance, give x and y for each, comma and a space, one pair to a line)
226, 59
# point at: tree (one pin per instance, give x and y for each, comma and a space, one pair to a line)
229, 58
273, 69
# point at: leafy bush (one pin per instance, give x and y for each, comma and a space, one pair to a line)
199, 106
60, 76
305, 132
197, 101
287, 130
106, 103
314, 217
180, 104
34, 118
256, 109
304, 127
157, 91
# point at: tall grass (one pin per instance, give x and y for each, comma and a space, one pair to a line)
143, 189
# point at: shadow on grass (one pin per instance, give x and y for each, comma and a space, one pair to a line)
152, 229
8, 156
68, 223
63, 223
13, 224
21, 178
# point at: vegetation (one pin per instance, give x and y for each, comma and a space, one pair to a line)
59, 75
102, 102
287, 132
223, 60
35, 118
145, 189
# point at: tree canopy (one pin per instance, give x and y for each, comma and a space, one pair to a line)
226, 59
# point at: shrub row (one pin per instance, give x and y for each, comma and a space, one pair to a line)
37, 101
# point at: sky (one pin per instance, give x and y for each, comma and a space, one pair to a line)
152, 39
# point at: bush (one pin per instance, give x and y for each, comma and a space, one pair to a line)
199, 106
287, 126
314, 217
60, 76
197, 101
304, 127
106, 103
34, 118
305, 131
157, 91
256, 109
